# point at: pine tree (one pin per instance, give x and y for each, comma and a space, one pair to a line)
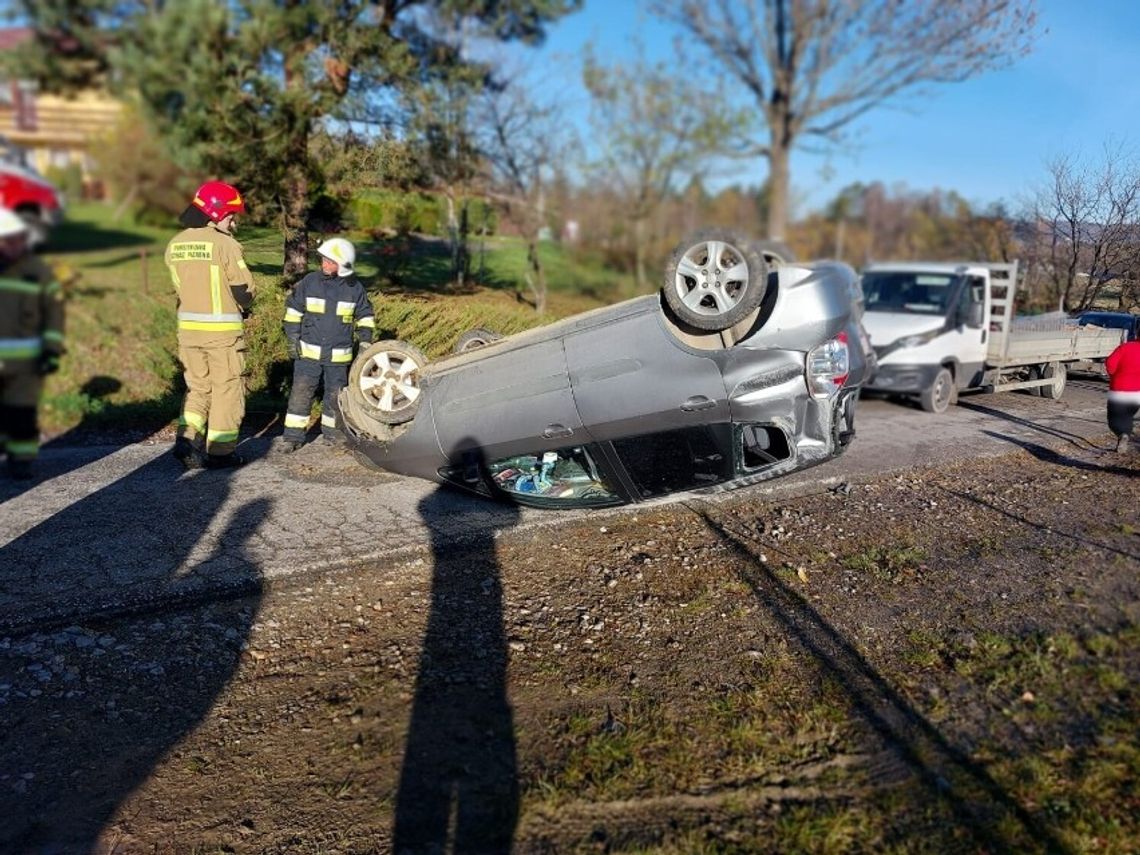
238, 88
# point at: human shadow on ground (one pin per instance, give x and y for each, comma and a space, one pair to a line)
104, 429
122, 619
458, 787
950, 775
107, 427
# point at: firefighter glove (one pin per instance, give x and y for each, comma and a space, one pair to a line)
293, 350
48, 363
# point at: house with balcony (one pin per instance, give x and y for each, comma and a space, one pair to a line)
52, 131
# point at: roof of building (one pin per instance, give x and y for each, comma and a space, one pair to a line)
10, 37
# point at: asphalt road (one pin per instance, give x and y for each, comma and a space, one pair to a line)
105, 530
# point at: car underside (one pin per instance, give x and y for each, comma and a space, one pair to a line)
691, 389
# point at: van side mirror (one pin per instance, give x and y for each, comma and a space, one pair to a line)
974, 315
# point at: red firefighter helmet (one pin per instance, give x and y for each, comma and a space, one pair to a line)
217, 199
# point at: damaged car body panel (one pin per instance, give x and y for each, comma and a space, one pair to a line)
627, 403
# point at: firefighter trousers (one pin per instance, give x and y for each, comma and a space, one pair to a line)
19, 427
215, 395
308, 374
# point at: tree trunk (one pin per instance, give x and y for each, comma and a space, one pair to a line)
639, 252
295, 206
295, 193
453, 238
536, 277
294, 209
778, 186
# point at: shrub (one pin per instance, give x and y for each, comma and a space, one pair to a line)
419, 213
68, 178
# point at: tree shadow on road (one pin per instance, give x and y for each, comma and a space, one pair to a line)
122, 619
1074, 439
994, 817
1048, 455
458, 788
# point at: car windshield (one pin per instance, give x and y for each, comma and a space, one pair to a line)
908, 292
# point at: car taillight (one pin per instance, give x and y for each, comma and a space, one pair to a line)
828, 366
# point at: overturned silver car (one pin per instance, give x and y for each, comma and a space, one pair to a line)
733, 374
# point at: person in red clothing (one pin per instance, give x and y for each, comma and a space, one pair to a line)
1123, 367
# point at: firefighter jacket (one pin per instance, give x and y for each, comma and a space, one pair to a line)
215, 288
323, 312
31, 315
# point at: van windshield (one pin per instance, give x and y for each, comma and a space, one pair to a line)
908, 292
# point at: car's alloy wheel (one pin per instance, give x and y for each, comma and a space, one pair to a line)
714, 280
385, 381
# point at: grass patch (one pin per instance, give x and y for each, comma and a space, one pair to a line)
887, 563
121, 369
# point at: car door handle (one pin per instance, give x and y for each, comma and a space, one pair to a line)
554, 431
697, 403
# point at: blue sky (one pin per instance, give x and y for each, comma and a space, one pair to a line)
988, 138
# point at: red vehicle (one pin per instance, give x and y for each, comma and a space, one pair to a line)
30, 195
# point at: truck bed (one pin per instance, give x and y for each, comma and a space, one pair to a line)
1035, 347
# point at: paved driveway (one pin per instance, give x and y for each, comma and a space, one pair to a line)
104, 530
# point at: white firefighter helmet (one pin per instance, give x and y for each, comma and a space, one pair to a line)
11, 224
341, 251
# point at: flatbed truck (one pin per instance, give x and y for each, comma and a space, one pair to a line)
943, 328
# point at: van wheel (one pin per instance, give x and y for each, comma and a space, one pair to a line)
1034, 374
1056, 372
937, 396
384, 382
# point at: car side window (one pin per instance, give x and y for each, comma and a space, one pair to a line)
684, 459
568, 475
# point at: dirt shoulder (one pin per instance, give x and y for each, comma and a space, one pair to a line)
941, 661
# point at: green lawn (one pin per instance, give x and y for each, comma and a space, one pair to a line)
120, 370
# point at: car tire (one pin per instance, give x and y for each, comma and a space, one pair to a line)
714, 280
1056, 372
937, 397
475, 338
775, 252
384, 381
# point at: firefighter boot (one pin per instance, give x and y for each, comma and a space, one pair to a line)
224, 461
187, 454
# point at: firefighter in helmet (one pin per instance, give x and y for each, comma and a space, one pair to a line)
31, 342
215, 293
322, 313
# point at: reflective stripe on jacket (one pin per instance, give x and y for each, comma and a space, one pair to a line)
31, 314
213, 284
324, 312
